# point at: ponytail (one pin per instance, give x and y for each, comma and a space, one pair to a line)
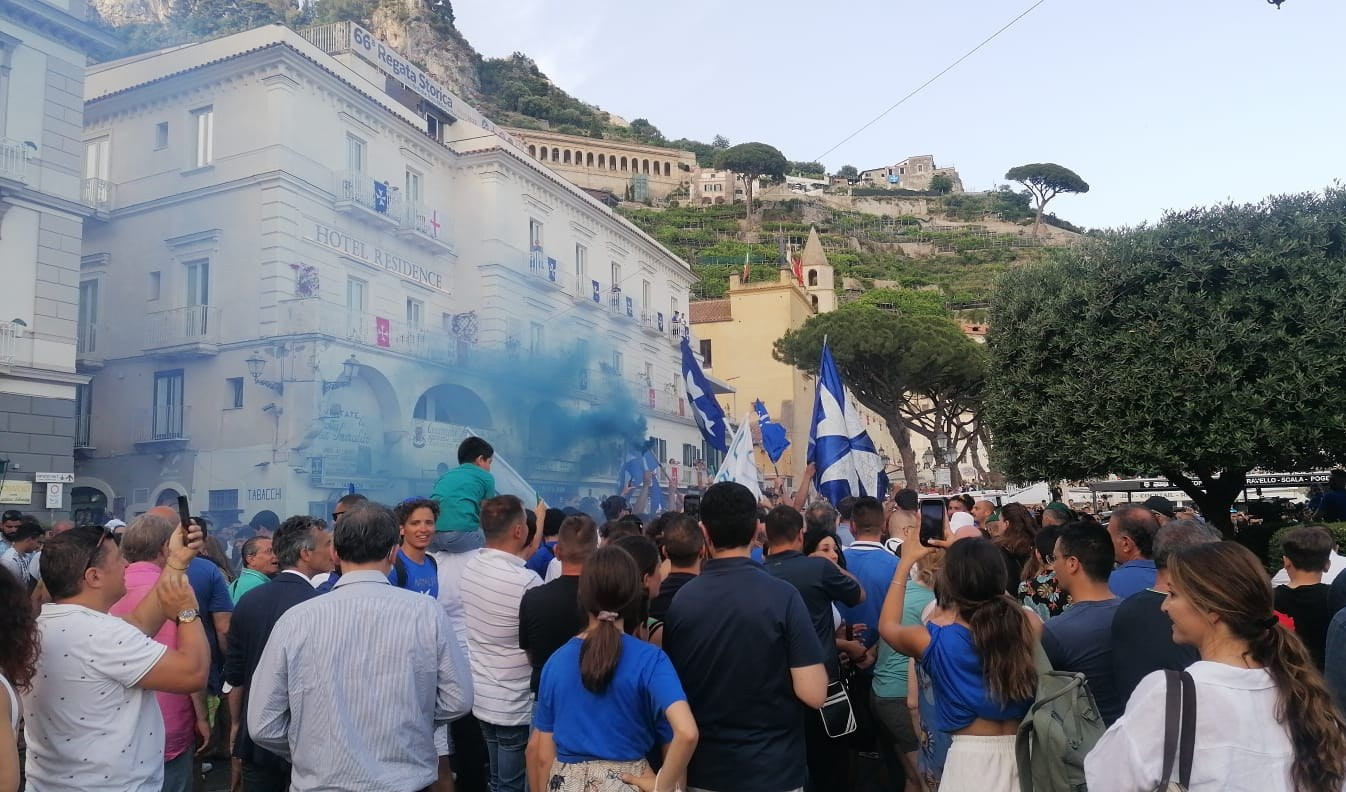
1003, 638
600, 652
1306, 707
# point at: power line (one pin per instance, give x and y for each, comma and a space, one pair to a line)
925, 84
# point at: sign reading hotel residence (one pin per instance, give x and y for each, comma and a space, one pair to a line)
373, 255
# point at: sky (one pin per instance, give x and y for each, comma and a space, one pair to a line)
1157, 104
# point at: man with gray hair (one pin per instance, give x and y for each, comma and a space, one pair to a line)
259, 564
1142, 634
357, 679
1133, 528
821, 515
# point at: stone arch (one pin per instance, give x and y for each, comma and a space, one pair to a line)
166, 494
813, 277
555, 154
542, 155
532, 151
645, 166
602, 161
623, 163
668, 169
588, 159
453, 404
91, 500
813, 298
612, 162
565, 156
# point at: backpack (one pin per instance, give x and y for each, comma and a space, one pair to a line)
400, 568
1060, 729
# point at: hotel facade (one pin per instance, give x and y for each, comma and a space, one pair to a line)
313, 268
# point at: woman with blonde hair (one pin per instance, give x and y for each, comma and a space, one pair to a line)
1264, 716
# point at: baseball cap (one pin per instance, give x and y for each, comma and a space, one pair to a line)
1158, 503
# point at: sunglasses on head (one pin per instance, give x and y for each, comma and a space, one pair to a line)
106, 533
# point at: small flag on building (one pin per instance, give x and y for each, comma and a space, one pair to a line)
380, 196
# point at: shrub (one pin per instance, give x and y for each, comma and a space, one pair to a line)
1274, 551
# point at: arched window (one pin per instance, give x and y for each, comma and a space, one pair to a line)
668, 169
589, 159
532, 151
623, 163
612, 162
542, 155
645, 166
566, 155
602, 161
813, 278
813, 298
555, 154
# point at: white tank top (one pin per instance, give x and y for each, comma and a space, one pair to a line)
13, 703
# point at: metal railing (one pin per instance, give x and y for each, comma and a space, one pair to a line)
540, 266
162, 422
332, 38
10, 335
360, 188
86, 338
97, 194
83, 424
395, 335
419, 217
193, 324
13, 160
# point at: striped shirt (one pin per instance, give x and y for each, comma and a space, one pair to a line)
493, 586
352, 684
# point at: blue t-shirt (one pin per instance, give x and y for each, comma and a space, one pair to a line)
960, 682
874, 567
212, 596
421, 578
1080, 640
620, 724
1132, 577
538, 563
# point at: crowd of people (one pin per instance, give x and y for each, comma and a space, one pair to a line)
466, 641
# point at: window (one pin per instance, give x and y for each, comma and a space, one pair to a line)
660, 449
413, 185
96, 158
233, 393
649, 373
534, 233
645, 302
705, 351
166, 415
154, 285
616, 362
88, 317
534, 338
198, 282
616, 275
224, 500
689, 454
581, 266
203, 120
415, 310
434, 127
813, 277
355, 154
161, 135
446, 323
83, 414
357, 294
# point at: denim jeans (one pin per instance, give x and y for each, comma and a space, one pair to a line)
505, 747
178, 773
457, 541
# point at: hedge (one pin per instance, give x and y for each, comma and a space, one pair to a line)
1274, 551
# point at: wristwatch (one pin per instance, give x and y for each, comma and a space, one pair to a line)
188, 616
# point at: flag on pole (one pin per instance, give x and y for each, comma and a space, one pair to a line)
633, 472
774, 441
739, 464
746, 256
797, 264
709, 416
845, 461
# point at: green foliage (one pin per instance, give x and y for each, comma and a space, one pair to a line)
516, 85
1276, 551
907, 302
1225, 326
941, 184
848, 172
1048, 177
753, 160
972, 207
645, 132
808, 170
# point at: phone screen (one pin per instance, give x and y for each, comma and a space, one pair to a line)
932, 520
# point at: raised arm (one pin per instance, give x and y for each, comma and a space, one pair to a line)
186, 668
152, 611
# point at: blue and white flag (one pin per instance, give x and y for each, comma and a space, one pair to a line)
633, 472
774, 441
380, 196
844, 458
709, 416
739, 464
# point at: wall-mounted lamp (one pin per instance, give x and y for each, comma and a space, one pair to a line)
256, 365
348, 371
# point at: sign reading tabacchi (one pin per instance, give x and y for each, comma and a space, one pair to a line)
356, 248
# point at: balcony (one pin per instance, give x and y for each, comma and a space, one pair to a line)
14, 160
86, 346
543, 271
588, 293
648, 325
162, 427
355, 327
97, 195
621, 307
190, 331
83, 435
426, 228
362, 196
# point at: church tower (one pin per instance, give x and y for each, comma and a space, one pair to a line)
819, 279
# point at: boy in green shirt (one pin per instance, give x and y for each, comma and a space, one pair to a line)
459, 493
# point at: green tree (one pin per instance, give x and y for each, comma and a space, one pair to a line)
1222, 327
1046, 180
751, 161
645, 132
940, 184
719, 143
848, 172
916, 371
814, 170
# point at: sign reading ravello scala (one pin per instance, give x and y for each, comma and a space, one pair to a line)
375, 256
376, 52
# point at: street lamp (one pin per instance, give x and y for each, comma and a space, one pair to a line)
256, 365
349, 369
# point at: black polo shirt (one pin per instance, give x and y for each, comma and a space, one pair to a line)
1142, 642
671, 586
733, 634
549, 615
820, 582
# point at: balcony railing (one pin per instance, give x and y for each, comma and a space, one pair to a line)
545, 269
97, 194
11, 336
162, 423
367, 192
83, 424
86, 338
13, 160
195, 325
357, 327
426, 221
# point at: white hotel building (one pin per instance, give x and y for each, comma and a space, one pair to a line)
312, 267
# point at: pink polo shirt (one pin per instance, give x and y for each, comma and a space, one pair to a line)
179, 715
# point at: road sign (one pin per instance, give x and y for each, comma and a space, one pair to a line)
55, 495
54, 478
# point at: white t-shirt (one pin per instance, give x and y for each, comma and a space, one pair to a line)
1239, 745
24, 566
493, 584
88, 726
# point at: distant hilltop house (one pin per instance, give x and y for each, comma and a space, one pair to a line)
912, 173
